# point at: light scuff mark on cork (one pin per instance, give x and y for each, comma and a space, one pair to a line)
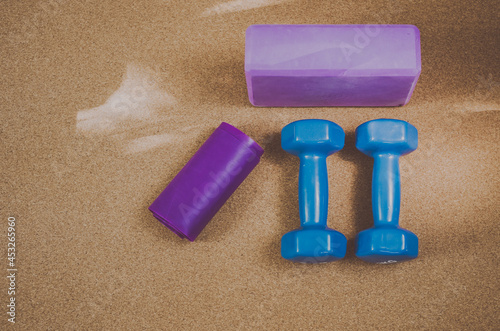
239, 5
144, 144
136, 101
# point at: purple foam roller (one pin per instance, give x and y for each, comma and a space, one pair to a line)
204, 184
331, 65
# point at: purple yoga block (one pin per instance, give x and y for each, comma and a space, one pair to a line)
331, 65
204, 184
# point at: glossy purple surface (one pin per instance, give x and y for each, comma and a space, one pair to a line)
331, 65
204, 184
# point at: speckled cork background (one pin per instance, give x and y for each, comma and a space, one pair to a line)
103, 102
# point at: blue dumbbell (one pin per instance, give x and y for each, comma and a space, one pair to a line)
312, 141
386, 140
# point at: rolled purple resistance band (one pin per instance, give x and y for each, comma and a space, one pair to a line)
204, 184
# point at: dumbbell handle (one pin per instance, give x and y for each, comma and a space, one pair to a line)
313, 190
386, 190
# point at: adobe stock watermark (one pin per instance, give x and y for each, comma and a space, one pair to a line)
212, 189
11, 269
364, 36
486, 90
362, 39
45, 11
143, 83
319, 256
140, 97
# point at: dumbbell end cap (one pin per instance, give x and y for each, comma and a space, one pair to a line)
313, 245
386, 245
386, 136
312, 135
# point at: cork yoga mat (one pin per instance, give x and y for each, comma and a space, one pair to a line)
103, 102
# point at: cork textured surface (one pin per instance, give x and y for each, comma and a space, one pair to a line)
103, 102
